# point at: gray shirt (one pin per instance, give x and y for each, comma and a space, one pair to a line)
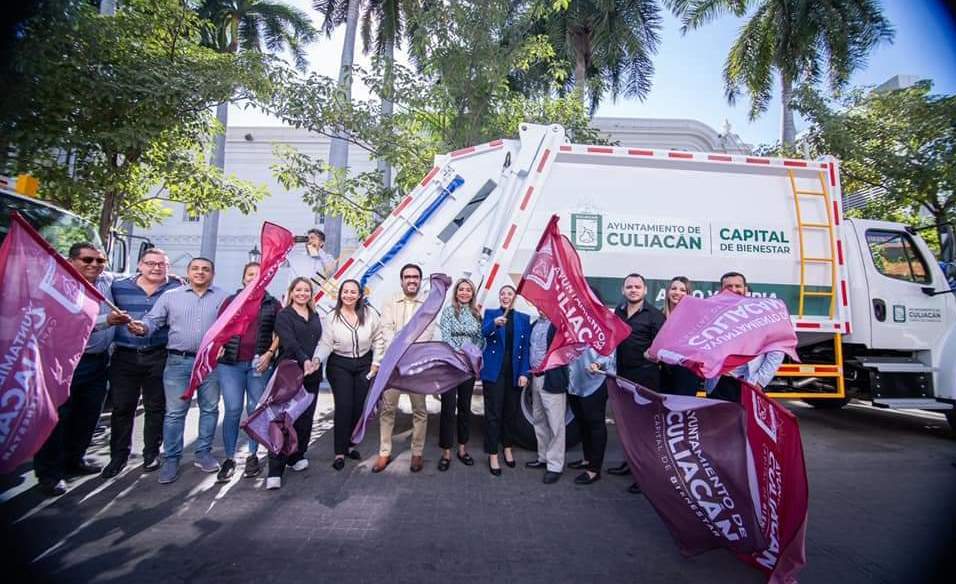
102, 336
188, 315
539, 341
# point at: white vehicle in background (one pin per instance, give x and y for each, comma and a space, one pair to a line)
873, 309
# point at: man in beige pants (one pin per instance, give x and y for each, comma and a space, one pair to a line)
395, 315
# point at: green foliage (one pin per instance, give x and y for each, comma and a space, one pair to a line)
467, 56
114, 111
903, 142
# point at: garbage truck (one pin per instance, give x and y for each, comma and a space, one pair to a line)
873, 309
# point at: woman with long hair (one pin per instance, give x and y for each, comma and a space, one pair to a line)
506, 370
299, 329
676, 379
351, 348
244, 367
460, 323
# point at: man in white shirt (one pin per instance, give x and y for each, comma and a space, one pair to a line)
395, 315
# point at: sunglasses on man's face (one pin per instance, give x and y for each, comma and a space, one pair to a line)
91, 259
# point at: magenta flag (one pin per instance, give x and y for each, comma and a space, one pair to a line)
689, 455
777, 449
281, 404
715, 335
428, 367
47, 311
276, 243
554, 282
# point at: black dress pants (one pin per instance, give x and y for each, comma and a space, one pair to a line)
677, 380
591, 414
501, 409
727, 389
349, 380
131, 374
67, 443
303, 430
456, 398
648, 375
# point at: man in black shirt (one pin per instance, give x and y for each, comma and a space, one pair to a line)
645, 321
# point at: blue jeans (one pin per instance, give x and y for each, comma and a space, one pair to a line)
237, 381
175, 381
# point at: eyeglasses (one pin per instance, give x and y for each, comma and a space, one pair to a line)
90, 259
152, 265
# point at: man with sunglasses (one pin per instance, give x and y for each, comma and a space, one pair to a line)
63, 452
136, 367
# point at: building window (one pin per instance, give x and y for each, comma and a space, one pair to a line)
895, 256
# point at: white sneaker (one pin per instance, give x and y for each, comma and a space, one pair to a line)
273, 483
300, 465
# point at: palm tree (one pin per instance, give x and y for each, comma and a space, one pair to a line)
610, 43
256, 26
794, 41
337, 12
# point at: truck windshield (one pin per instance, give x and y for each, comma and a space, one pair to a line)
60, 228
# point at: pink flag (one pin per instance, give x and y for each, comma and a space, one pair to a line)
276, 243
715, 335
282, 402
47, 311
774, 437
554, 282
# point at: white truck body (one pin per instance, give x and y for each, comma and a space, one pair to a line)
480, 212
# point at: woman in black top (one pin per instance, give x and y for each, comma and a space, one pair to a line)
676, 379
299, 329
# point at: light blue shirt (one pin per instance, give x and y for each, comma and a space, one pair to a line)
583, 382
539, 341
188, 315
758, 371
102, 336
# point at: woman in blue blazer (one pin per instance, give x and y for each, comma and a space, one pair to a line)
506, 370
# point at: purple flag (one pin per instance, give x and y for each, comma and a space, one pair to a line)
428, 368
47, 311
281, 404
691, 458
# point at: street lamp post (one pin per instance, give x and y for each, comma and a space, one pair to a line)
255, 255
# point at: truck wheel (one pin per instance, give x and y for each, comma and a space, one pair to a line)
524, 427
827, 403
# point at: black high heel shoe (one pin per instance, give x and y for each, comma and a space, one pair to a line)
495, 471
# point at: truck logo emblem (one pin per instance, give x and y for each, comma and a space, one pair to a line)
587, 231
899, 313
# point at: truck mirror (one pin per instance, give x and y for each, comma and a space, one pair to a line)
144, 246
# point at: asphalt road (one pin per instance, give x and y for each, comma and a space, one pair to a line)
882, 509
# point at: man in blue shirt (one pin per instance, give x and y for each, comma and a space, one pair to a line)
63, 452
137, 364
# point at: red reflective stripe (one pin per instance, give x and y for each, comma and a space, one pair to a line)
679, 155
808, 325
544, 160
789, 368
565, 149
491, 277
843, 290
463, 151
848, 330
832, 174
825, 369
495, 143
798, 163
840, 251
319, 295
639, 152
527, 197
719, 158
752, 160
600, 150
836, 213
511, 233
401, 206
344, 267
368, 240
431, 174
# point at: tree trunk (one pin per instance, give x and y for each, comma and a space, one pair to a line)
387, 105
106, 219
210, 223
339, 148
580, 76
788, 131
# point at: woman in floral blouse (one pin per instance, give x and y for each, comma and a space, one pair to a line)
460, 323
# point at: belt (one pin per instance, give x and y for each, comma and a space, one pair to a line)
140, 350
181, 353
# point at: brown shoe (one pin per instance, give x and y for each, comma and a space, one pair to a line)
417, 464
381, 463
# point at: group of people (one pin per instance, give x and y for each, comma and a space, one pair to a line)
147, 349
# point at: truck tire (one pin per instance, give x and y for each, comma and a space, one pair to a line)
524, 427
827, 403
